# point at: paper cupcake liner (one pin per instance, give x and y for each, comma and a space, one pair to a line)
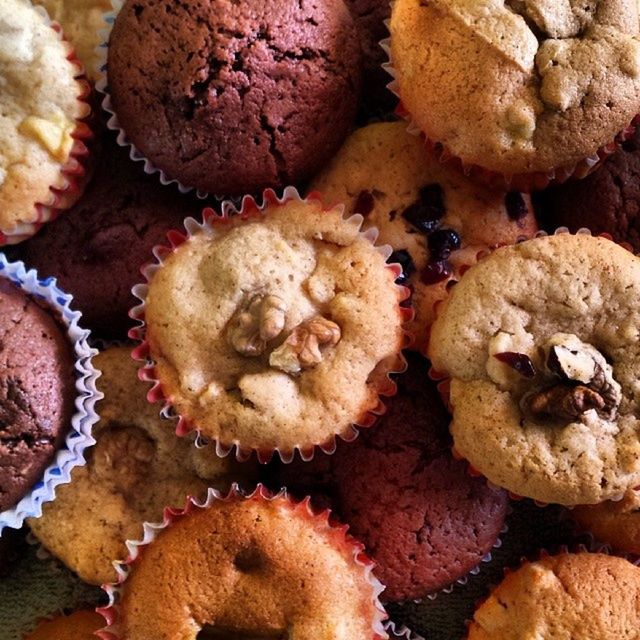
210, 223
443, 381
71, 453
338, 533
72, 174
400, 631
102, 85
525, 182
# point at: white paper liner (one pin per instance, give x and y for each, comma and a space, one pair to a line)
209, 227
71, 453
400, 631
111, 612
102, 85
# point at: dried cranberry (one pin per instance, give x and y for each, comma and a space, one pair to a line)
404, 259
426, 213
516, 206
364, 203
442, 242
436, 271
519, 362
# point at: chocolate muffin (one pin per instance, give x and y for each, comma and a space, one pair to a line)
37, 391
96, 249
607, 201
422, 518
233, 97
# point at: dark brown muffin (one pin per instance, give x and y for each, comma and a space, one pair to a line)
37, 392
96, 249
607, 201
422, 518
232, 97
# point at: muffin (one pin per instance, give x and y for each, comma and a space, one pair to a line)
581, 596
253, 567
234, 97
79, 625
540, 341
37, 392
136, 469
81, 21
96, 249
423, 520
560, 80
607, 201
614, 523
273, 329
435, 219
41, 130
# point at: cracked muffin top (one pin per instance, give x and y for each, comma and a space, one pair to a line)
251, 568
275, 331
436, 219
136, 469
37, 391
39, 113
541, 343
559, 79
232, 97
583, 596
79, 625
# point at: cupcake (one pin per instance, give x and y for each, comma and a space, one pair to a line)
253, 567
581, 596
540, 341
435, 219
136, 469
42, 129
614, 523
560, 82
233, 98
273, 329
423, 520
607, 201
81, 21
80, 625
96, 249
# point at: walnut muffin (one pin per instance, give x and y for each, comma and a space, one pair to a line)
136, 469
541, 343
79, 625
434, 218
275, 330
249, 568
559, 79
615, 523
580, 596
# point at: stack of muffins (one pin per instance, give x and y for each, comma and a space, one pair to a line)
351, 337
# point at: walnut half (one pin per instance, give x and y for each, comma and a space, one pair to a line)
301, 350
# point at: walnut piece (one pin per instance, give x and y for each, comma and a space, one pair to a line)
122, 455
565, 403
260, 321
301, 350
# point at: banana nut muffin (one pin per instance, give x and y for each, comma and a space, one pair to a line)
232, 97
435, 219
579, 596
250, 568
40, 114
541, 343
521, 86
275, 330
136, 469
79, 625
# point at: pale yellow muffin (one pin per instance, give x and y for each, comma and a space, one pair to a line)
541, 342
380, 172
79, 625
520, 86
136, 469
579, 596
40, 109
275, 332
81, 21
249, 568
614, 523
